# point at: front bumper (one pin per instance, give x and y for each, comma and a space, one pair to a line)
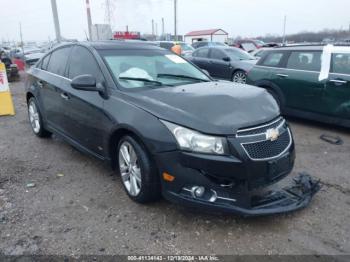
234, 185
290, 198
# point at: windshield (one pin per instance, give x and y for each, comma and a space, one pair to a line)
151, 69
238, 54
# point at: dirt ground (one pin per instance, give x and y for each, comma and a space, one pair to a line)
78, 206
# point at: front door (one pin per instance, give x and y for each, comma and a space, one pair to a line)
84, 116
337, 92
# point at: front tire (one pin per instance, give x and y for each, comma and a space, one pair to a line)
36, 120
239, 77
139, 174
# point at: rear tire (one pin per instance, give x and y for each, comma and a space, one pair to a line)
36, 120
138, 172
239, 77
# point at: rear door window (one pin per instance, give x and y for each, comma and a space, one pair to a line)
341, 64
58, 61
217, 54
305, 60
82, 62
273, 59
203, 52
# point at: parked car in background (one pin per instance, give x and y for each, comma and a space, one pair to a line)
186, 49
248, 45
200, 44
258, 53
32, 55
302, 87
227, 63
167, 128
11, 68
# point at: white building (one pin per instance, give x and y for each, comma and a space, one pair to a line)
211, 35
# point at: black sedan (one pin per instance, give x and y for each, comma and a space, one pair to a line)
166, 127
228, 63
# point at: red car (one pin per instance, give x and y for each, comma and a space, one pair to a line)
249, 45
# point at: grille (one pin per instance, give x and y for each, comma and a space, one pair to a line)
268, 149
261, 129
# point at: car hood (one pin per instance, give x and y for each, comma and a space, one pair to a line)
212, 107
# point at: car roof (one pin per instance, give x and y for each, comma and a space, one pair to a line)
117, 45
300, 47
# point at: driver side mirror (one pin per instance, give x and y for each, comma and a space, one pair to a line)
85, 83
226, 59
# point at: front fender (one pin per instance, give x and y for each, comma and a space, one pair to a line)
148, 128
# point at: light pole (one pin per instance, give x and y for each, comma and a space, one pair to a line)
88, 13
55, 20
284, 30
175, 20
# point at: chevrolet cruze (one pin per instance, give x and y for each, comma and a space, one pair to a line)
167, 128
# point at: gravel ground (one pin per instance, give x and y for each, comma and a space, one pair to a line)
78, 205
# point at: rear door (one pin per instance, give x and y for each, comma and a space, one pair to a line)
201, 58
337, 92
50, 84
219, 68
298, 80
84, 119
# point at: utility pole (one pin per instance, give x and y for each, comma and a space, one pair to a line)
152, 27
175, 20
284, 30
55, 20
88, 13
156, 29
21, 36
163, 29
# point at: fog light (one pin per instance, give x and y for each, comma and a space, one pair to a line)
198, 191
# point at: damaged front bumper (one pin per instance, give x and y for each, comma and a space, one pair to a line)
290, 198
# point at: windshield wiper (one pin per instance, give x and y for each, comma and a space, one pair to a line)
183, 76
142, 80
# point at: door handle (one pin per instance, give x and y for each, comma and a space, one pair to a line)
282, 75
338, 81
65, 96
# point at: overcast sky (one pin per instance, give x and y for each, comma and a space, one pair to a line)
238, 17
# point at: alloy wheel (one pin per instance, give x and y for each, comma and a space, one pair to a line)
240, 77
34, 117
129, 168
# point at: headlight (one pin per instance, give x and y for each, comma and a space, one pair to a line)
191, 140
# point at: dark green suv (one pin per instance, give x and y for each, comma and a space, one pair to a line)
305, 87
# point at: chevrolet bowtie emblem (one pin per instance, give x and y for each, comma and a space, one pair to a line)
272, 134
